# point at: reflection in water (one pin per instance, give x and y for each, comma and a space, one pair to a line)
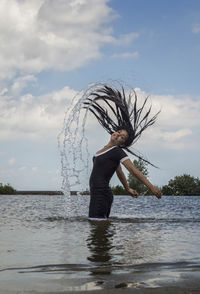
100, 243
109, 246
141, 245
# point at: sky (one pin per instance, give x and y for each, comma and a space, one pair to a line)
52, 49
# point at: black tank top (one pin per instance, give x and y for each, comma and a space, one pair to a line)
104, 166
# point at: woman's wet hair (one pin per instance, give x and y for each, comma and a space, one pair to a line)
118, 110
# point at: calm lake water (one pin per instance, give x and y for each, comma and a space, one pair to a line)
48, 238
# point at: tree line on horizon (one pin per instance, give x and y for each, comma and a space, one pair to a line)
184, 185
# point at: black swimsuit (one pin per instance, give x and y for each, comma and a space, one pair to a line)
101, 197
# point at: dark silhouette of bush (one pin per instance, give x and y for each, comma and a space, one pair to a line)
184, 185
7, 189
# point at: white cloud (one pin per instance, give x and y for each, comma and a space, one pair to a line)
20, 83
125, 39
34, 169
174, 136
22, 168
176, 125
41, 117
53, 34
126, 55
172, 139
178, 111
33, 117
196, 29
11, 161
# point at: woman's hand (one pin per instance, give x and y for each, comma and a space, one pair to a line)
132, 192
134, 171
156, 192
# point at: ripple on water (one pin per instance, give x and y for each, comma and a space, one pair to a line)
36, 230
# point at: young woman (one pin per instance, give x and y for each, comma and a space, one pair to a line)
123, 134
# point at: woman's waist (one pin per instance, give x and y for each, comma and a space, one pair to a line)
101, 191
99, 182
99, 187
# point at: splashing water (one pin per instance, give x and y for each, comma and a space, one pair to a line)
73, 146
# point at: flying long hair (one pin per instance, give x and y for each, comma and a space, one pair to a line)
117, 110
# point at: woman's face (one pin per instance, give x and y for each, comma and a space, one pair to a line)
119, 138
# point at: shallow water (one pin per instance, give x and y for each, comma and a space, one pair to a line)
50, 238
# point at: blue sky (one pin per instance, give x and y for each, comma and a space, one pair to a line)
168, 50
50, 50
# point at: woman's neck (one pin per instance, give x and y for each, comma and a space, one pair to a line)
106, 147
109, 145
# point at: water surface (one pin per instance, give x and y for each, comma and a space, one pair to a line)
48, 238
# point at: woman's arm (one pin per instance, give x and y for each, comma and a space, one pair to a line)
123, 180
132, 169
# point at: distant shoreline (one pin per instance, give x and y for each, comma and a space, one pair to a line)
57, 192
48, 193
24, 192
